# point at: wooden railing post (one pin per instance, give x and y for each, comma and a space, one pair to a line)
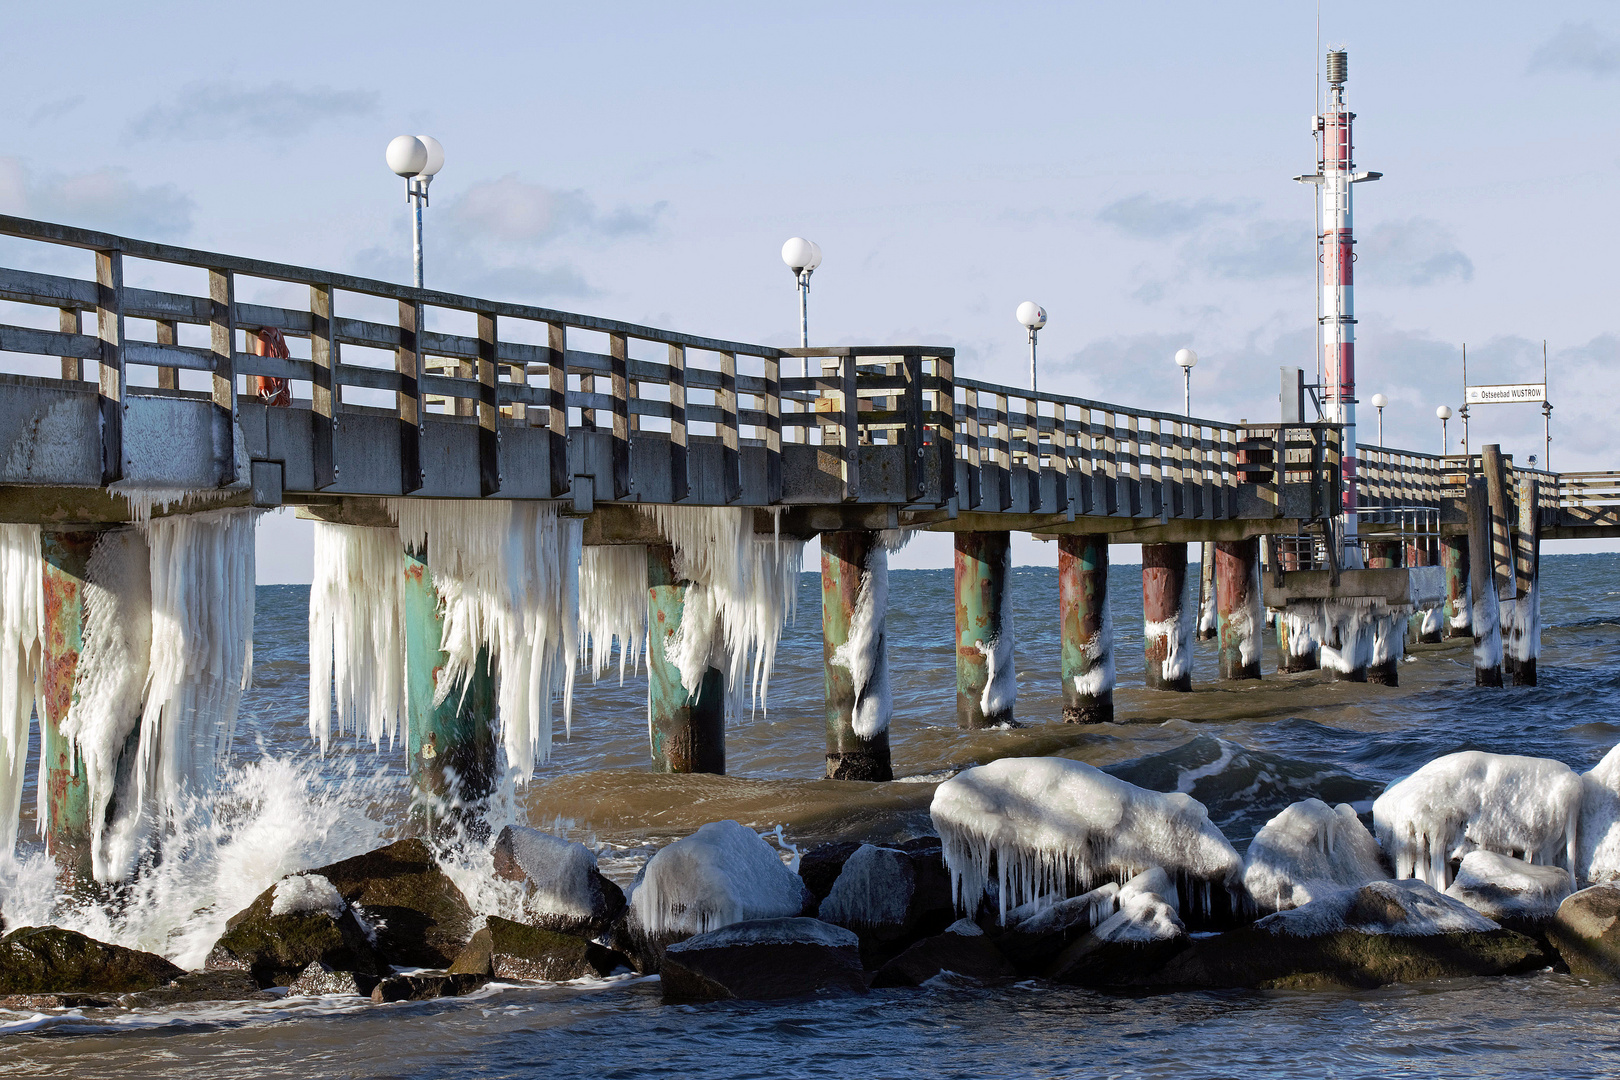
168, 333
71, 321
730, 450
113, 381
412, 407
972, 456
619, 436
850, 426
557, 408
222, 340
489, 413
680, 479
773, 428
323, 395
915, 440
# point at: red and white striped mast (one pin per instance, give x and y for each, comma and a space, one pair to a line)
1335, 175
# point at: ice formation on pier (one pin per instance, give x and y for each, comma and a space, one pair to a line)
721, 874
1048, 824
1305, 628
507, 575
356, 633
744, 588
1521, 626
1525, 807
865, 651
1098, 679
1487, 622
612, 607
1389, 636
22, 608
1307, 851
202, 592
1432, 621
109, 686
1178, 636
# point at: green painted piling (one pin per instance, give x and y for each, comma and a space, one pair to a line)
451, 745
983, 562
1087, 645
1458, 619
845, 559
67, 791
687, 731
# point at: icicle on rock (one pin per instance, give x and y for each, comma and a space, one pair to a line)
507, 574
1520, 806
1308, 851
22, 609
722, 874
1148, 911
1050, 823
612, 607
744, 589
356, 634
110, 684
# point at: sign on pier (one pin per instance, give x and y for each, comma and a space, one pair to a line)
1505, 394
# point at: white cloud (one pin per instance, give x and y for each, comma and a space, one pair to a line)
224, 110
1417, 251
100, 199
1579, 47
513, 211
1156, 219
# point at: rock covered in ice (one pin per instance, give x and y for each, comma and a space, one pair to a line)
873, 890
1050, 823
564, 889
1407, 908
1518, 806
1308, 851
1144, 932
764, 959
721, 874
306, 894
1147, 911
1082, 912
1599, 839
1508, 889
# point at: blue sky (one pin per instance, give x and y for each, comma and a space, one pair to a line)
1127, 166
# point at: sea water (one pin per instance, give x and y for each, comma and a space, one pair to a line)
1246, 750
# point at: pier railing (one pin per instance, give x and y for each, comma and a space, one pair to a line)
399, 391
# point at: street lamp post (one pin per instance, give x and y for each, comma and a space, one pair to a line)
418, 158
1033, 317
1378, 402
1444, 413
1185, 359
802, 257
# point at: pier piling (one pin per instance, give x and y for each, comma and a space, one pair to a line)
1521, 643
451, 741
1166, 625
1457, 619
67, 789
1208, 616
1087, 629
687, 731
1486, 612
985, 683
1241, 622
854, 599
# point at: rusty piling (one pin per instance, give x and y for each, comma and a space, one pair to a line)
855, 663
1166, 625
1087, 630
985, 683
687, 730
1239, 618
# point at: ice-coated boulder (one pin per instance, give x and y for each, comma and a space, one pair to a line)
762, 959
564, 891
1586, 932
721, 874
1307, 851
318, 980
1054, 828
1383, 932
1517, 806
890, 898
1510, 891
1144, 931
1599, 860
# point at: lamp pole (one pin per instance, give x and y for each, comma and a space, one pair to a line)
1378, 402
802, 257
417, 158
1444, 413
1032, 316
1185, 359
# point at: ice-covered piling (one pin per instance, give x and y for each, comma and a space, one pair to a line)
854, 603
686, 728
1299, 637
1457, 613
1486, 609
451, 718
1087, 629
1389, 631
986, 686
1167, 629
1237, 599
1208, 613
